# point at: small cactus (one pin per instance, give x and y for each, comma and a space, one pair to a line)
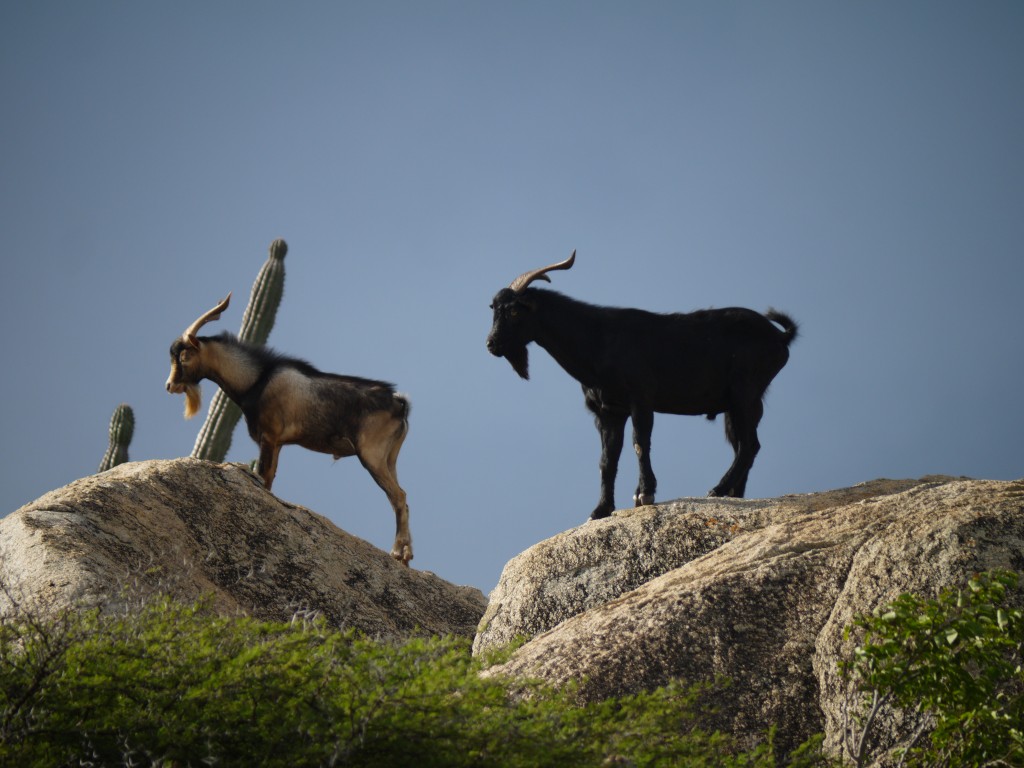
214, 438
122, 427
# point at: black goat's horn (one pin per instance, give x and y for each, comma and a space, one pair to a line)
520, 283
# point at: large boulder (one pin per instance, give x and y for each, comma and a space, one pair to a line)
198, 529
758, 591
588, 566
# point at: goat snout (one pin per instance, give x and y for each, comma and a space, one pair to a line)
496, 344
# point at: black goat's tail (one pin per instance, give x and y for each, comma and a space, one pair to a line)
789, 327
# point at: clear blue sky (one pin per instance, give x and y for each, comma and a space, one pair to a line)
857, 165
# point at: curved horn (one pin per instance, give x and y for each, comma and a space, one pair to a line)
213, 314
520, 283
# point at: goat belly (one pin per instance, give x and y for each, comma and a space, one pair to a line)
685, 395
705, 409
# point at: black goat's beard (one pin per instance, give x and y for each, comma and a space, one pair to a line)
519, 358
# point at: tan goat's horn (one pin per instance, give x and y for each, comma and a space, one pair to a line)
520, 283
190, 332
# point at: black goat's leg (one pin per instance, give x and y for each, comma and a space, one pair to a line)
643, 425
722, 489
612, 427
741, 429
749, 448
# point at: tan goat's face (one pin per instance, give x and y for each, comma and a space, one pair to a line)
186, 373
186, 361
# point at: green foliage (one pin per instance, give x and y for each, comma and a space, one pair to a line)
122, 427
214, 439
954, 666
169, 684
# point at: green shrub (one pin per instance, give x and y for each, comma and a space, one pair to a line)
176, 685
954, 666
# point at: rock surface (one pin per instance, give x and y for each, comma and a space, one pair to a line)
195, 528
756, 590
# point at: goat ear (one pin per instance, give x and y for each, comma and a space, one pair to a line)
526, 302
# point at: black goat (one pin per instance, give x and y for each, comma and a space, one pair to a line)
633, 364
287, 401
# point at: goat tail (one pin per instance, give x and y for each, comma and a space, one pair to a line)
789, 327
402, 407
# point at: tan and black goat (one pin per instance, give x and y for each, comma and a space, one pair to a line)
287, 401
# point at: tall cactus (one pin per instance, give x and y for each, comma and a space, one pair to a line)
214, 438
122, 427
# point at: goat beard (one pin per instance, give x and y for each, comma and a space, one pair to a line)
519, 359
193, 400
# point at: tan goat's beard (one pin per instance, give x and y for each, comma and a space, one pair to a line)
193, 400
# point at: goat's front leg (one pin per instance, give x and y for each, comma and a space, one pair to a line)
612, 427
267, 467
643, 425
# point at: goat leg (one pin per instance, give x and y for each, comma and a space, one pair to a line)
612, 426
379, 443
267, 467
741, 430
643, 425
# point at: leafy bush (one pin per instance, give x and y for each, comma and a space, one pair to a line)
953, 665
174, 684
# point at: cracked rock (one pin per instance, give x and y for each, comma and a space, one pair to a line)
756, 590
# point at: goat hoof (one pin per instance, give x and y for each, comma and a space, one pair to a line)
643, 499
402, 554
600, 513
727, 493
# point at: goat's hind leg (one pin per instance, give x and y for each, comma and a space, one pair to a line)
741, 430
379, 445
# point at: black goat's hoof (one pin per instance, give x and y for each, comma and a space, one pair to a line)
600, 514
725, 494
643, 499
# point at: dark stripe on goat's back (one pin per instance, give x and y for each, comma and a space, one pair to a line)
357, 393
357, 381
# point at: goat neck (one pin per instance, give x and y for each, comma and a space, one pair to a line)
567, 329
231, 365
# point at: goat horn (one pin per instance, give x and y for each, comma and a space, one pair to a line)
213, 314
520, 283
